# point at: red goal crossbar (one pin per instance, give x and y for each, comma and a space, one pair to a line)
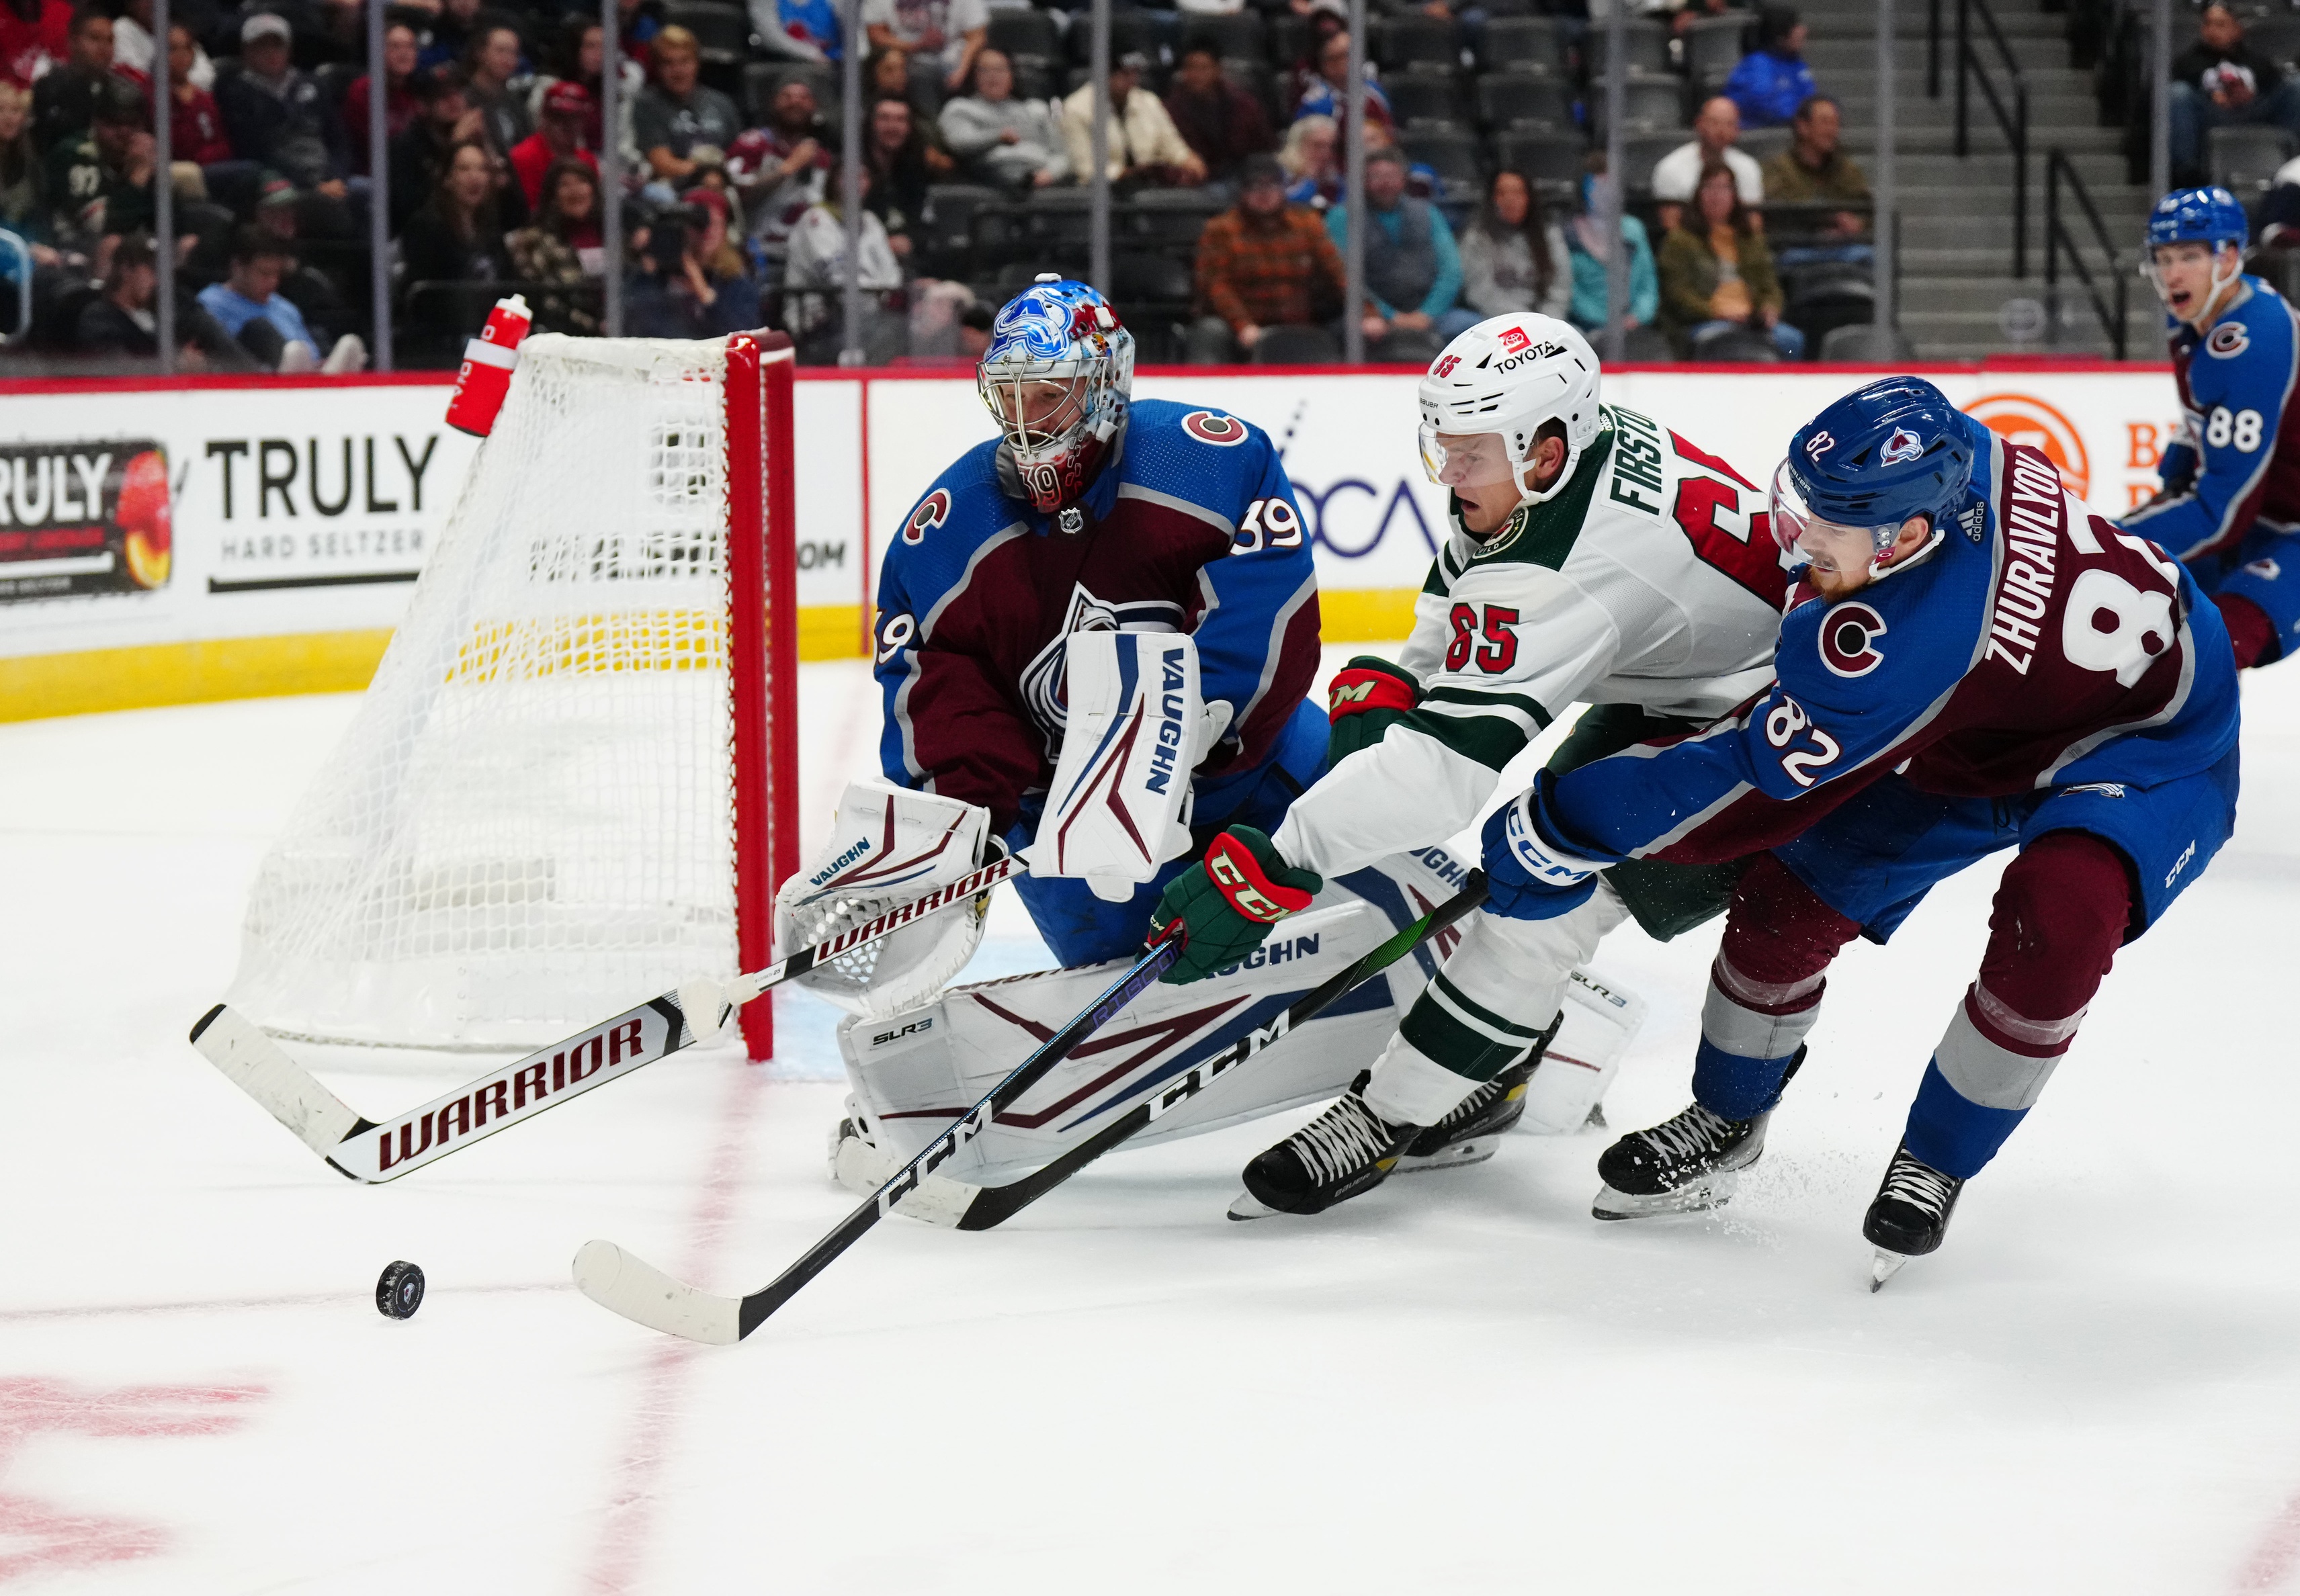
762, 648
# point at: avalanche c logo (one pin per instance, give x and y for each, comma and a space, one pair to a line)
1848, 635
932, 511
1903, 445
2227, 340
1212, 426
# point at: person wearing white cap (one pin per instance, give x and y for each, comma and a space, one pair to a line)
279, 116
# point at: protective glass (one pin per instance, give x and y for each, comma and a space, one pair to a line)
1792, 518
1465, 459
1036, 413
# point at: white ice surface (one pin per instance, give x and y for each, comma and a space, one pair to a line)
1460, 1382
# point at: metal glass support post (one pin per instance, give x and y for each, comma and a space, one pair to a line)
2160, 99
611, 160
1616, 188
164, 189
1098, 184
850, 184
379, 187
1886, 194
1354, 280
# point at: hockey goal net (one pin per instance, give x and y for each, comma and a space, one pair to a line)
572, 781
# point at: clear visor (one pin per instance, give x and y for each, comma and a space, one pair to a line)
1465, 459
1036, 412
1793, 521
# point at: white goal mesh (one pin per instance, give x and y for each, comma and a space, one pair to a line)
529, 824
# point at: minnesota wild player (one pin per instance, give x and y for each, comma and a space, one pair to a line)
1595, 557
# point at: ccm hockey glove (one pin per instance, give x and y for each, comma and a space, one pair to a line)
1527, 877
1229, 900
1367, 697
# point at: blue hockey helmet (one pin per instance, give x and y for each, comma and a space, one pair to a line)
1057, 376
1887, 451
2198, 216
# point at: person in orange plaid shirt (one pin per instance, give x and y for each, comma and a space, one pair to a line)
1262, 264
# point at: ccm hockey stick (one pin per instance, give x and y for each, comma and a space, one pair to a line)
641, 1293
992, 1205
371, 1151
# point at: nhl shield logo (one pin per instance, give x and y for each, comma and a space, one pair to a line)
1903, 445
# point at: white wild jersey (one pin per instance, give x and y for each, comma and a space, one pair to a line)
1652, 580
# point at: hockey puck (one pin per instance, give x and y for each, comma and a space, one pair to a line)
399, 1290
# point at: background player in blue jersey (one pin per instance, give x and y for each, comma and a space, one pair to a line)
1973, 661
1092, 513
2231, 505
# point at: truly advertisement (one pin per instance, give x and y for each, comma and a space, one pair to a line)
83, 516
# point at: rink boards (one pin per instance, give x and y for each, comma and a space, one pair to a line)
298, 512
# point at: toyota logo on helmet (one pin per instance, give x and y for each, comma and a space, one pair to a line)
1903, 445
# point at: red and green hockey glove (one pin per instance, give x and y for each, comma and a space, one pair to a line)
1229, 900
1367, 697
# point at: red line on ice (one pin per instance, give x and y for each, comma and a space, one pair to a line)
630, 1516
2271, 1561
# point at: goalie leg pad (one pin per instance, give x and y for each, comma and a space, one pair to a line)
1601, 1020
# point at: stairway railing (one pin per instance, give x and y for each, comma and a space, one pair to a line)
2060, 169
2012, 122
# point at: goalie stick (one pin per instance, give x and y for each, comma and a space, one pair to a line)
629, 1285
993, 1205
371, 1152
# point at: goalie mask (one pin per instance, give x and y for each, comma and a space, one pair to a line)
1484, 400
1057, 376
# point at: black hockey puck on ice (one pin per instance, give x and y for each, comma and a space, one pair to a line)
399, 1290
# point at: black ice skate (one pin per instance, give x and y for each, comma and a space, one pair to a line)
1473, 1132
1345, 1151
1910, 1214
1692, 1160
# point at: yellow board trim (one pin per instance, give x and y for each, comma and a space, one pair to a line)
1366, 614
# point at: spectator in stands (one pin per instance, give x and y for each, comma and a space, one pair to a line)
1772, 80
974, 324
677, 115
1145, 150
896, 152
23, 186
1513, 257
1412, 266
35, 38
1312, 160
690, 282
449, 33
419, 156
560, 249
100, 183
1262, 264
2221, 81
1717, 273
799, 29
1585, 244
777, 170
124, 321
132, 48
63, 102
952, 29
997, 139
278, 217
194, 125
248, 305
1218, 121
568, 109
400, 106
1815, 171
278, 116
887, 76
816, 273
490, 62
1715, 131
641, 25
456, 235
1328, 94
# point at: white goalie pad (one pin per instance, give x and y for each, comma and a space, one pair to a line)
915, 1072
888, 847
1118, 806
1601, 1020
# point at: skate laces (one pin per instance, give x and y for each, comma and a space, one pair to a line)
1694, 1132
1471, 1104
1918, 1184
1344, 1137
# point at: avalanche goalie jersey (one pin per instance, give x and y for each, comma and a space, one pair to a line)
1651, 579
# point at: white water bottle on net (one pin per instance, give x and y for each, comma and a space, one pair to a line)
571, 784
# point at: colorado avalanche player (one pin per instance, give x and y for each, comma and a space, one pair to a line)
1973, 662
2231, 505
1595, 557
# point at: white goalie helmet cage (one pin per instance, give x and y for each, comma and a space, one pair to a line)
1509, 375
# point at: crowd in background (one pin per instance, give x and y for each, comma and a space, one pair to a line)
976, 140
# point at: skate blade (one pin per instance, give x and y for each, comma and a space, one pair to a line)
1476, 1150
1883, 1268
1250, 1206
1714, 1192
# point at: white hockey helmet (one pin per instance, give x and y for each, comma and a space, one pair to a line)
1507, 375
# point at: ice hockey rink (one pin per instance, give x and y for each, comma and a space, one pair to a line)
1460, 1382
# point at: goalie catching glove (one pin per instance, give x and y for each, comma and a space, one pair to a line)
1228, 901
